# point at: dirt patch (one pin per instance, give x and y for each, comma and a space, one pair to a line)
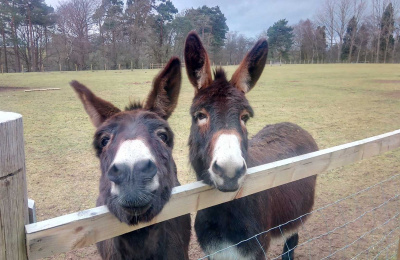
139, 83
393, 94
387, 81
6, 89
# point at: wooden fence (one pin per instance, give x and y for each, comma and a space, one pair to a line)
84, 228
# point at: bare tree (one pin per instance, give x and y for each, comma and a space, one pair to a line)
342, 18
326, 17
74, 25
378, 7
231, 45
359, 7
363, 38
388, 27
396, 44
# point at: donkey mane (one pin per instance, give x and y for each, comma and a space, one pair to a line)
219, 74
134, 105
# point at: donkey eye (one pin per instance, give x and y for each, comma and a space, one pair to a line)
104, 141
163, 136
200, 116
245, 118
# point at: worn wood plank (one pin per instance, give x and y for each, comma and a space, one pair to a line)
32, 211
84, 228
13, 190
398, 250
41, 89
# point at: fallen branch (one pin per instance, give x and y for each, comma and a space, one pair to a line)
41, 89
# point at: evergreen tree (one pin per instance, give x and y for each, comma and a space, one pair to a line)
280, 39
348, 47
387, 29
165, 14
112, 26
320, 42
4, 20
180, 27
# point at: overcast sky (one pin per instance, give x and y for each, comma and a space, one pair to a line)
251, 17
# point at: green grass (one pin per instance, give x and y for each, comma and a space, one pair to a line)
335, 103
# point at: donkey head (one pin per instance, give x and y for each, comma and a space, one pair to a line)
135, 148
218, 138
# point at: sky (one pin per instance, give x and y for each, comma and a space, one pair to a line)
251, 17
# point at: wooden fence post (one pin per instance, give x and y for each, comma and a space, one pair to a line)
398, 250
13, 191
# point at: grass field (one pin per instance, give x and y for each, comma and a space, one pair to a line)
335, 103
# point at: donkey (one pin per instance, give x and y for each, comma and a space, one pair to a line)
138, 172
220, 153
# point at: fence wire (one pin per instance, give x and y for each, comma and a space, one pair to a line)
363, 225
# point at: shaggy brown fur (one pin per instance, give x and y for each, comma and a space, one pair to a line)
135, 202
225, 109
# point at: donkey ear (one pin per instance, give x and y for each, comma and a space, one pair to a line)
163, 97
98, 109
197, 63
251, 67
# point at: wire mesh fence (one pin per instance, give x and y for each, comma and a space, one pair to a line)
362, 225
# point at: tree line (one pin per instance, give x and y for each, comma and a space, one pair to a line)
350, 31
112, 34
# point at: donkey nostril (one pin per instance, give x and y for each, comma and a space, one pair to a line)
115, 168
217, 169
115, 173
146, 166
151, 168
241, 170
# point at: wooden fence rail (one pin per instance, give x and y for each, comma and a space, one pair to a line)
87, 227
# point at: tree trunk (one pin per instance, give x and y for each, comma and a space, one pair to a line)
15, 45
45, 40
340, 49
160, 42
33, 63
37, 58
358, 54
351, 50
114, 49
394, 51
27, 52
386, 49
378, 47
3, 34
